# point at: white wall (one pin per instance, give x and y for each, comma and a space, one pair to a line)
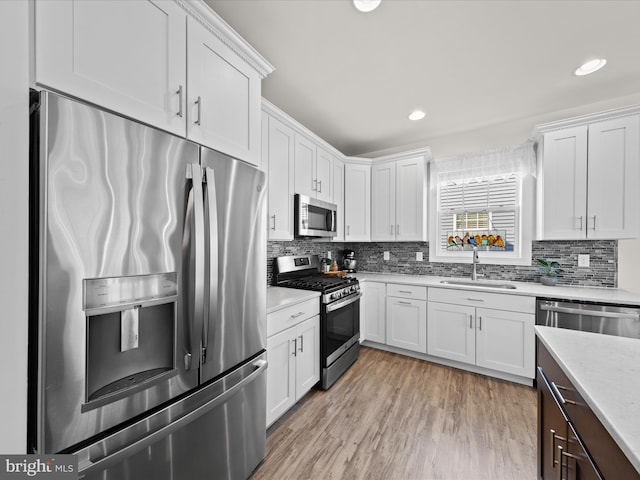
14, 213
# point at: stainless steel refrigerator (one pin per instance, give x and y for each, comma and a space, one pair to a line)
147, 346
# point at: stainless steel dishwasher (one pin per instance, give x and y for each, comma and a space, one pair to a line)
590, 317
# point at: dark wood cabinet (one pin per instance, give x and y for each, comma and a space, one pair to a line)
552, 430
572, 443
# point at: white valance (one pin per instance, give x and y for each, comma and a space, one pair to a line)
517, 159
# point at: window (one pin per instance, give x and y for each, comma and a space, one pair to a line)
479, 200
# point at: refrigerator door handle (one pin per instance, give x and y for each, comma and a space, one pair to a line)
88, 464
211, 205
196, 266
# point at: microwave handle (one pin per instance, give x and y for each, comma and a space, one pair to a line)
331, 220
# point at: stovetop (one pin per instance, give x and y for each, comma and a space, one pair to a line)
319, 283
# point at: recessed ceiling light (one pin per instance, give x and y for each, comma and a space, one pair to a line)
591, 66
417, 115
366, 5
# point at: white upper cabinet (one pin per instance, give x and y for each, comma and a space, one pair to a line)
223, 96
313, 170
357, 203
383, 202
324, 175
132, 58
398, 200
612, 183
411, 199
278, 161
305, 180
128, 57
588, 180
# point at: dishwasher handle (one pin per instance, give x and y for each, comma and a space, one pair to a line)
590, 312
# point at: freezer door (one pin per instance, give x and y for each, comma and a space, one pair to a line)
216, 432
235, 327
113, 202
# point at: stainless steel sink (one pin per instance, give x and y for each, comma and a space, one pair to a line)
480, 283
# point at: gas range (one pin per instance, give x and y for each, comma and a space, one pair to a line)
339, 312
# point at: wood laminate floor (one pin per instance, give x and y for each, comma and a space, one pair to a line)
393, 417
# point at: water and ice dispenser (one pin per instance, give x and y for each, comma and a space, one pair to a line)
131, 334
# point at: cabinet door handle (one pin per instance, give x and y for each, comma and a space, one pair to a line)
397, 229
581, 223
348, 230
479, 323
295, 347
301, 343
199, 117
314, 185
470, 321
319, 186
179, 92
274, 222
594, 222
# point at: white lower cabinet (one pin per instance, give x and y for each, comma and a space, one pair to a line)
488, 330
293, 355
407, 317
373, 313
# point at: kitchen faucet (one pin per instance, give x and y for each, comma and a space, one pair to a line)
476, 260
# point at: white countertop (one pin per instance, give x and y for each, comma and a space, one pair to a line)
591, 294
606, 372
280, 297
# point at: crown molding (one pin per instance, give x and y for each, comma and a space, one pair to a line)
585, 119
418, 152
284, 117
202, 13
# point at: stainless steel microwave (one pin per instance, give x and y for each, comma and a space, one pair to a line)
314, 218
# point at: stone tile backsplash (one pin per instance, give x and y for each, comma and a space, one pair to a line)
602, 271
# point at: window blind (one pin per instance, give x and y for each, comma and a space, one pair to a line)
497, 197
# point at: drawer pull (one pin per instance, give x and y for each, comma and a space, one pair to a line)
405, 291
560, 452
404, 303
475, 299
557, 389
296, 315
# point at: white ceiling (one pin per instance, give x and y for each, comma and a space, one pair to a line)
484, 71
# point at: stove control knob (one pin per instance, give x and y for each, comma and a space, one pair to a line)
334, 296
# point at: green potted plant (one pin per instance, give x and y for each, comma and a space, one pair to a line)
550, 271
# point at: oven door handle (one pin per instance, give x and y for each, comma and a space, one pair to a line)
343, 303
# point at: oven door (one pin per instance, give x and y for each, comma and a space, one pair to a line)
340, 327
